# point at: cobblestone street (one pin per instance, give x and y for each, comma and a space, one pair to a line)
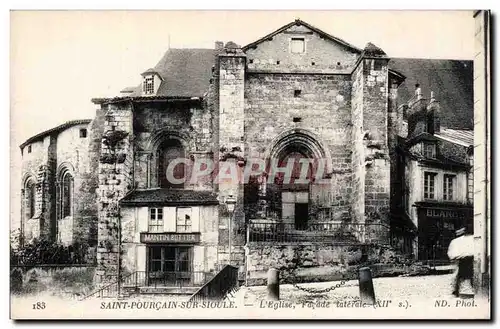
416, 288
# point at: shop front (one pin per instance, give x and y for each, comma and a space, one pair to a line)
168, 245
437, 224
170, 259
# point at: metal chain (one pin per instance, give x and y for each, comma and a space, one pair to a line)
314, 290
342, 282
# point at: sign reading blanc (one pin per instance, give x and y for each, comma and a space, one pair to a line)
445, 213
170, 237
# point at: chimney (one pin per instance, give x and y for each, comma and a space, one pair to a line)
433, 116
417, 114
418, 91
219, 45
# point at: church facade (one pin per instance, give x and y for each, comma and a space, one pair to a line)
281, 153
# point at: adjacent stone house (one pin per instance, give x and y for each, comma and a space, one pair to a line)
280, 153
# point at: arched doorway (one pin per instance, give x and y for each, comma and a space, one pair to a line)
296, 162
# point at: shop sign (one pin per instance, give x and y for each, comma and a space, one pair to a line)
439, 213
170, 237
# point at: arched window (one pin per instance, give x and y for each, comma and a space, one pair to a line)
29, 198
66, 195
168, 151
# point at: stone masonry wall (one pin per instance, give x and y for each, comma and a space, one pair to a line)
320, 54
231, 81
300, 262
190, 122
272, 108
358, 152
115, 180
31, 162
73, 153
375, 103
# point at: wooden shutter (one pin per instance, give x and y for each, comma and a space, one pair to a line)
143, 219
169, 219
196, 225
198, 258
141, 257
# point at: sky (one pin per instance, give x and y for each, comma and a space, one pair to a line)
60, 60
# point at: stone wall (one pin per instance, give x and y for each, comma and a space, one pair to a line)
115, 180
230, 79
321, 54
356, 143
73, 153
273, 107
59, 150
377, 176
188, 122
300, 262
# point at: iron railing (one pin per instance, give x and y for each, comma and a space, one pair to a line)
138, 279
219, 286
167, 279
319, 232
111, 290
403, 240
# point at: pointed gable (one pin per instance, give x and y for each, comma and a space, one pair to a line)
299, 46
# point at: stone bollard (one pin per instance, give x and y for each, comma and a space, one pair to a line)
366, 292
273, 284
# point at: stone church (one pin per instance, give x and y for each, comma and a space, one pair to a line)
319, 116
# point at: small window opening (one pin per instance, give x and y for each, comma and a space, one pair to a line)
297, 45
83, 133
297, 119
313, 63
297, 92
251, 61
278, 62
338, 63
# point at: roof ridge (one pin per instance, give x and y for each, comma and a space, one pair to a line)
57, 128
311, 27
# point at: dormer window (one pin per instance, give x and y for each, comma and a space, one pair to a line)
148, 86
429, 150
151, 81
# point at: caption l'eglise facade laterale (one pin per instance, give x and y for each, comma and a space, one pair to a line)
396, 162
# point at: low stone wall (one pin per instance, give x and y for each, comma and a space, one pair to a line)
313, 262
300, 262
64, 281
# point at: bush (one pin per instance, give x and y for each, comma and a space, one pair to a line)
16, 281
40, 252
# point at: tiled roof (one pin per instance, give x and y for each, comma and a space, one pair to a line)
372, 50
54, 130
164, 196
185, 72
148, 71
457, 136
450, 80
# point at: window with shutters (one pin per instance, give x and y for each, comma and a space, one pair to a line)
155, 220
184, 220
